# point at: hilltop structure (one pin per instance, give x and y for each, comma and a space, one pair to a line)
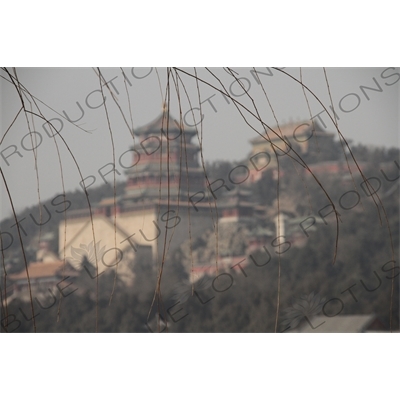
154, 214
306, 138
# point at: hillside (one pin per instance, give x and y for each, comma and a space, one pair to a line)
244, 300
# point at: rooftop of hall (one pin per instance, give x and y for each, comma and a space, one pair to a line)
299, 129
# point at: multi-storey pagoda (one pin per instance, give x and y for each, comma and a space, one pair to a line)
155, 208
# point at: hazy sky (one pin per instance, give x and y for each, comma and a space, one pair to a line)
364, 115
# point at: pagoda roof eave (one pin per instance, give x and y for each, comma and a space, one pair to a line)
164, 123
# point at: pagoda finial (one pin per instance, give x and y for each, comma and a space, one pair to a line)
165, 107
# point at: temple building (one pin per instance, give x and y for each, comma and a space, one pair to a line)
45, 273
154, 214
236, 208
306, 138
165, 163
